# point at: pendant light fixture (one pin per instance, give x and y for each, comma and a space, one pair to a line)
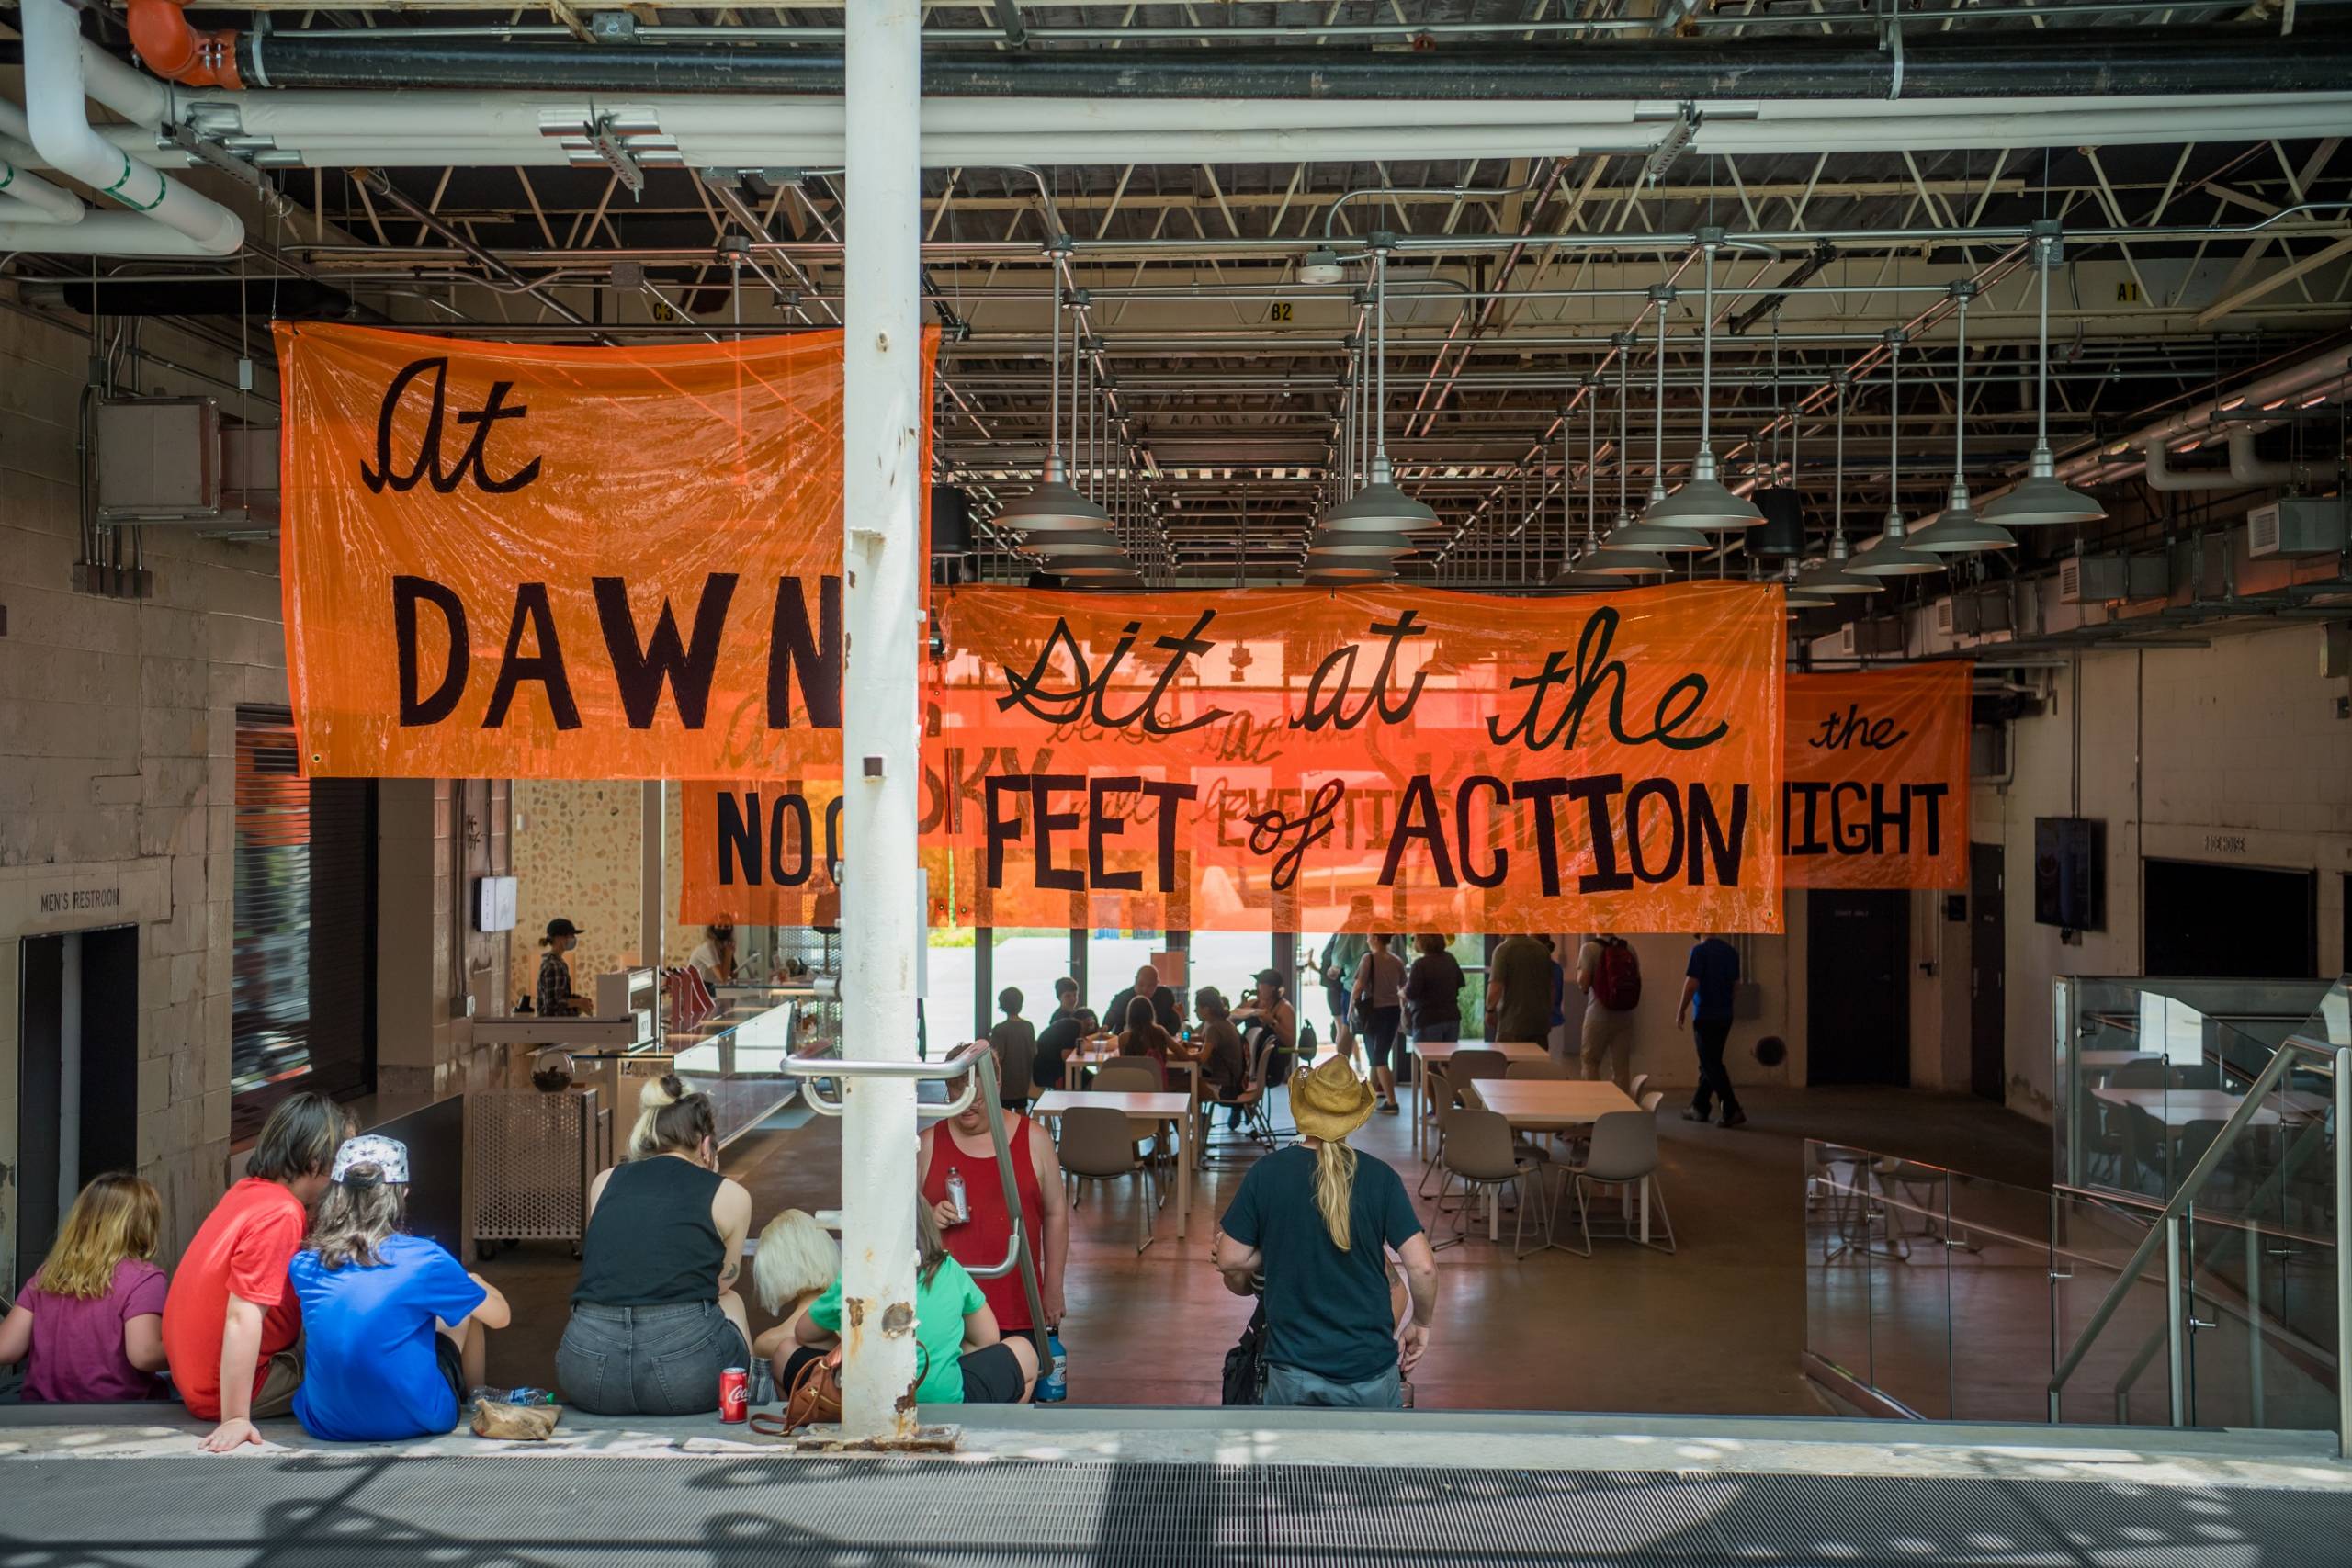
1380, 507
1831, 576
1799, 595
1615, 558
1054, 505
1639, 533
1960, 531
1703, 501
1891, 555
2041, 499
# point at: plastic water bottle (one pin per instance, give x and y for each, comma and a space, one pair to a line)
1054, 1387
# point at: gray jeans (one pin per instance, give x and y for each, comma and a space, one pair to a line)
1294, 1385
648, 1360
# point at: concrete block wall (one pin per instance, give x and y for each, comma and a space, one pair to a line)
118, 747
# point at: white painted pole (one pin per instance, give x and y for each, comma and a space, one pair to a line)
881, 575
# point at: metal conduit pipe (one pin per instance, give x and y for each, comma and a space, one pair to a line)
2159, 475
58, 120
2095, 63
2332, 367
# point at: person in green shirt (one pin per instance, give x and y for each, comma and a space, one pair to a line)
964, 1358
1519, 991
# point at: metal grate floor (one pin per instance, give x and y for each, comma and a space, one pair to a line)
563, 1511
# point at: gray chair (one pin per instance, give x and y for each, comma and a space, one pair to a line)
1469, 1065
1641, 1082
1479, 1153
1128, 1075
1545, 1069
1097, 1147
1652, 1100
1623, 1152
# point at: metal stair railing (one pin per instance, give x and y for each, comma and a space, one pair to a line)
975, 1063
2167, 1232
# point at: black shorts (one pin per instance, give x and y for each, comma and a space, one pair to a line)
993, 1375
1380, 1034
453, 1367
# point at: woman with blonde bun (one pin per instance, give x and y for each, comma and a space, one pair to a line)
655, 1318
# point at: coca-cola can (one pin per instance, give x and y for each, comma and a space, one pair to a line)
734, 1395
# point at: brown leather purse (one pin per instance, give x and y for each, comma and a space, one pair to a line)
814, 1399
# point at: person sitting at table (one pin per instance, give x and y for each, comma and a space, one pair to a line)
655, 1317
1067, 1033
1065, 1000
1015, 1043
1269, 1011
1147, 987
797, 1260
713, 956
1144, 1036
1224, 1060
962, 1358
982, 1235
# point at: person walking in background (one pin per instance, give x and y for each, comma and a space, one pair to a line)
394, 1327
1610, 976
1519, 991
1556, 1035
555, 998
1378, 997
1015, 1045
1433, 991
1315, 1220
232, 1329
1707, 986
1342, 956
89, 1324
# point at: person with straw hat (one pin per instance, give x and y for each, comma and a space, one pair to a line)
1311, 1228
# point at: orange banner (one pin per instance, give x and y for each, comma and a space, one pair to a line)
511, 560
760, 854
1384, 758
1876, 792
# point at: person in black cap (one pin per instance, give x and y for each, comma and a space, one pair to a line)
555, 998
1269, 1011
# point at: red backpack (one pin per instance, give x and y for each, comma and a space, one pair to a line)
1617, 978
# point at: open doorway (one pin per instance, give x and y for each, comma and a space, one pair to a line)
1857, 1008
78, 1073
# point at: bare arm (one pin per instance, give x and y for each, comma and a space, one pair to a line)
16, 1335
980, 1328
730, 1211
1238, 1264
493, 1313
807, 1330
239, 1355
142, 1342
1054, 1247
1420, 1281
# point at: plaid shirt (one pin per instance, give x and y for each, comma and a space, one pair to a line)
554, 999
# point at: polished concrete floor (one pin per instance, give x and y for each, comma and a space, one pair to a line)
1716, 1328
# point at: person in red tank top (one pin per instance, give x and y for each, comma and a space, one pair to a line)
961, 1144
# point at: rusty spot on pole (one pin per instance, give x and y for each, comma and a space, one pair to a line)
898, 1317
855, 1309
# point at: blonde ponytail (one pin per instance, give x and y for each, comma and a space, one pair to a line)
1334, 1180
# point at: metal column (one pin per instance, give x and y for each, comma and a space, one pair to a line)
882, 491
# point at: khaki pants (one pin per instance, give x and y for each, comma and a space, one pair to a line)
1607, 1048
279, 1380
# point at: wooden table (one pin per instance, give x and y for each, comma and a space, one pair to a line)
1552, 1105
1438, 1052
2178, 1107
1168, 1107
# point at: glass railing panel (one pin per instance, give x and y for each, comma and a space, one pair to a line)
2262, 1343
2124, 1376
1910, 1283
1998, 1265
1838, 1227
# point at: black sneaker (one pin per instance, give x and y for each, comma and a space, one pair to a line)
1734, 1117
1695, 1114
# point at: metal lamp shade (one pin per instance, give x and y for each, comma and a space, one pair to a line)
1961, 532
1099, 573
1053, 506
1832, 578
1337, 574
1655, 539
1379, 507
1075, 546
2043, 499
1614, 560
1891, 555
1704, 502
1353, 547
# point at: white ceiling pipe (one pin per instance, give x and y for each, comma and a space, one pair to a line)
59, 119
25, 196
2329, 369
2159, 475
105, 234
2248, 470
129, 92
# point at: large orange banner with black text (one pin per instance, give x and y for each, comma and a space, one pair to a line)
512, 560
1290, 759
1876, 792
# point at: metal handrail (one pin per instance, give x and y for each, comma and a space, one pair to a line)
2165, 1231
975, 1062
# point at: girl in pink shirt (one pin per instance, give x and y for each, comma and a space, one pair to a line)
90, 1322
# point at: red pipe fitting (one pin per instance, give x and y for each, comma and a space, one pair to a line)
170, 47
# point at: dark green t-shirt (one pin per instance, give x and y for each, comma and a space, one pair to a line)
1327, 1311
1523, 966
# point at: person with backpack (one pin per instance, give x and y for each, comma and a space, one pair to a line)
1610, 976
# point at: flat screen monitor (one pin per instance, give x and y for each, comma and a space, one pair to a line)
2067, 872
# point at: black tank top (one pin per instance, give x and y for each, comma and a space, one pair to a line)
651, 1241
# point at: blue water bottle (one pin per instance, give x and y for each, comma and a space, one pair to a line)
1054, 1387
